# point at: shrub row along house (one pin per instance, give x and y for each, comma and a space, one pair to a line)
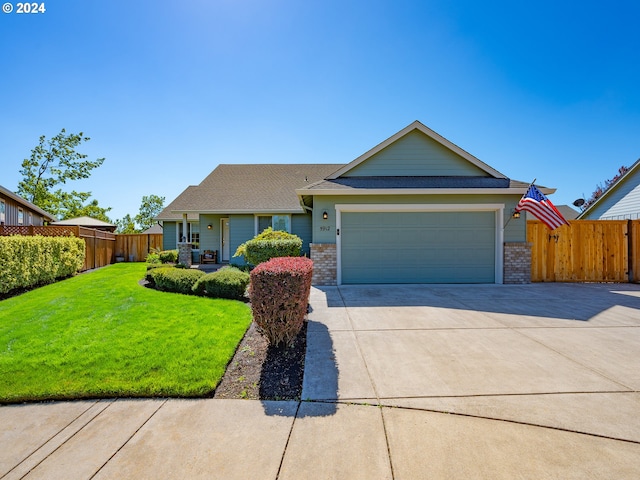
414, 209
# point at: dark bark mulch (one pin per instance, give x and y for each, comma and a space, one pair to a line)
259, 371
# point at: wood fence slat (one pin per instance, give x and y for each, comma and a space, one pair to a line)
634, 243
587, 251
135, 247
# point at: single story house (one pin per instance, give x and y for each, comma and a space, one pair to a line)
414, 209
154, 229
620, 202
15, 210
87, 222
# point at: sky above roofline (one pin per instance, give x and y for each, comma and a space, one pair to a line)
168, 90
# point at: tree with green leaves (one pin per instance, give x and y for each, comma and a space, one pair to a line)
150, 207
54, 162
126, 225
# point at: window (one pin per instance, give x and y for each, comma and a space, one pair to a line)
277, 222
281, 222
192, 236
20, 216
3, 209
195, 237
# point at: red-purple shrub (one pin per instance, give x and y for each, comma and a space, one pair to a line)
279, 293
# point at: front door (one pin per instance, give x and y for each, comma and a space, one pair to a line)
224, 238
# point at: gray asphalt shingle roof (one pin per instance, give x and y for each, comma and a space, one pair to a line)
248, 188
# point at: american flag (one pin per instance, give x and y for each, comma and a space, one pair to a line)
535, 202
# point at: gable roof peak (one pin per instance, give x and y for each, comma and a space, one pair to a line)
422, 128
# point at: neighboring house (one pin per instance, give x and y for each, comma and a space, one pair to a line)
620, 202
414, 209
15, 210
87, 222
155, 228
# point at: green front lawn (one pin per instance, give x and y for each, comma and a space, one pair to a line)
101, 334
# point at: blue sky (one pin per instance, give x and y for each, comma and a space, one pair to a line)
167, 90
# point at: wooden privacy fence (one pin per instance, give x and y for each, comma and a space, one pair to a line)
101, 248
587, 251
99, 245
135, 247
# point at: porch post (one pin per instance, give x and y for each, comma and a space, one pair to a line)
184, 228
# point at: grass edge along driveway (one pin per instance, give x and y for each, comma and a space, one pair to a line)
101, 334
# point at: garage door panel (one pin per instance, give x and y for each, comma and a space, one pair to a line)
418, 247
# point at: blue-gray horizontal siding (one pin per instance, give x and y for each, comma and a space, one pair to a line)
301, 226
418, 247
623, 202
169, 236
415, 154
241, 229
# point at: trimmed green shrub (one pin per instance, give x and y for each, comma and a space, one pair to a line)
228, 282
150, 268
179, 280
29, 261
270, 244
279, 293
168, 256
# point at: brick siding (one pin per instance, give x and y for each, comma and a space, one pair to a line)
324, 264
517, 262
184, 254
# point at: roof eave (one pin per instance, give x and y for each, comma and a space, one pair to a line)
26, 203
422, 191
614, 187
240, 211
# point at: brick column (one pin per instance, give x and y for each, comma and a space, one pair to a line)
184, 254
324, 264
517, 262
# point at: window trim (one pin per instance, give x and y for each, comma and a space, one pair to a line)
257, 221
190, 231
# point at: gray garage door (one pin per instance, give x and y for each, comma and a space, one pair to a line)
418, 247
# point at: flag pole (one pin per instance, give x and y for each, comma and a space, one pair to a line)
511, 216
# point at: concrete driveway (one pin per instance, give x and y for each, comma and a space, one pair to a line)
487, 381
401, 382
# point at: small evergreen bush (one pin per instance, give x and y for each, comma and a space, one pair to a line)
168, 256
270, 244
177, 280
279, 293
150, 268
228, 282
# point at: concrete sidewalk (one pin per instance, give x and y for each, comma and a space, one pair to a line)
536, 381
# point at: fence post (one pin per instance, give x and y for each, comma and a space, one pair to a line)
630, 259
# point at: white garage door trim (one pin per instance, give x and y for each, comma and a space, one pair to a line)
498, 208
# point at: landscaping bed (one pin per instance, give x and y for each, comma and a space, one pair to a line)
262, 372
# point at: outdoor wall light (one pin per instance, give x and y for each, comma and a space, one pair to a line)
209, 227
325, 215
516, 214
